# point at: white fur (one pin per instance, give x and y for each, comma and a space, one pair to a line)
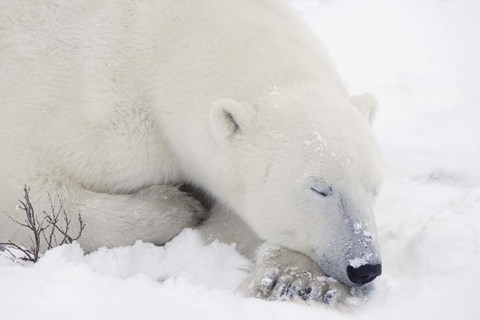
101, 100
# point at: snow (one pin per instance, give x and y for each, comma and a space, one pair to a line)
358, 262
420, 58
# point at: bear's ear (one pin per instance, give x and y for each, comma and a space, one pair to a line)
229, 117
367, 104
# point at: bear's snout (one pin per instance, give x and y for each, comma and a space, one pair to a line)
364, 274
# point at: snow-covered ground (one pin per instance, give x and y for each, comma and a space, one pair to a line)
420, 58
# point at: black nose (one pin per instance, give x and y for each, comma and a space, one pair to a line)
364, 274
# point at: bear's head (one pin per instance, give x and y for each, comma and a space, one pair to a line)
305, 173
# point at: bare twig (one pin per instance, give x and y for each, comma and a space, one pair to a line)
45, 229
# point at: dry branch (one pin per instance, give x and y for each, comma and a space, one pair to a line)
44, 230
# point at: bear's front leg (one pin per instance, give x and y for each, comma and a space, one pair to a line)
153, 214
281, 273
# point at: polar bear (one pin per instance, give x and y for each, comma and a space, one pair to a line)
113, 105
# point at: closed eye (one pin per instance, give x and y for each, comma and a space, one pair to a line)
325, 191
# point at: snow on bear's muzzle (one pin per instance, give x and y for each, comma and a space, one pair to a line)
352, 256
365, 265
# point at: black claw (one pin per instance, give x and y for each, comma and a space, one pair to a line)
285, 290
283, 286
329, 295
305, 293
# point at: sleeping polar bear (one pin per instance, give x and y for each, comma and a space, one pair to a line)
113, 105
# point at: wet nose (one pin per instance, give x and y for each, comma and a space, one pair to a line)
364, 274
